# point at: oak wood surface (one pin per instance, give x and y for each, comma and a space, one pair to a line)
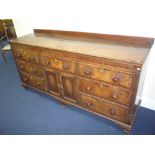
104, 82
112, 51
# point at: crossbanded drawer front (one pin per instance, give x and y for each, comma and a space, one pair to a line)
32, 80
102, 90
111, 76
21, 55
27, 56
30, 68
102, 107
59, 63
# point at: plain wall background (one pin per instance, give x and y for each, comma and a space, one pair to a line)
124, 17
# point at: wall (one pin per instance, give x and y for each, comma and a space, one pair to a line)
111, 17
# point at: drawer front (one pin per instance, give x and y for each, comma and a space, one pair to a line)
113, 111
104, 91
107, 75
27, 56
68, 66
21, 55
30, 68
23, 66
91, 103
46, 61
33, 81
103, 108
60, 64
34, 58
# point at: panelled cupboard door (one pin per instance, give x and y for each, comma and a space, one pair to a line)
52, 82
68, 84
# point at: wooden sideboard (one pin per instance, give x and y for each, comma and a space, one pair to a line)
96, 72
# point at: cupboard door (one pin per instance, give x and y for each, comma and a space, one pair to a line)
68, 83
52, 82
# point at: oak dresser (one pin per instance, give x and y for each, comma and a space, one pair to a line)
99, 73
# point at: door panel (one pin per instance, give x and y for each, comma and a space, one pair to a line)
52, 82
68, 86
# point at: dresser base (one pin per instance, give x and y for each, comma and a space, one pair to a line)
126, 127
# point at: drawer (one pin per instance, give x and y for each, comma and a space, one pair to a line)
60, 64
102, 90
111, 76
34, 58
91, 103
46, 61
30, 68
23, 66
113, 111
68, 66
22, 55
103, 108
32, 81
26, 56
37, 70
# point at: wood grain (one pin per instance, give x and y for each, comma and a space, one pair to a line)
96, 72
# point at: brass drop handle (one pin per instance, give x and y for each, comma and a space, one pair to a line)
38, 83
88, 72
25, 79
66, 65
89, 103
88, 88
114, 95
112, 112
116, 78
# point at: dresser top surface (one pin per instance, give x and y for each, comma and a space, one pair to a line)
111, 50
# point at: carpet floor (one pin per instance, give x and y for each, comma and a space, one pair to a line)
25, 112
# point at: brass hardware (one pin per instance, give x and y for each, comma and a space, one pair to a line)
114, 95
101, 85
89, 103
116, 78
88, 72
88, 88
66, 65
102, 70
138, 69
